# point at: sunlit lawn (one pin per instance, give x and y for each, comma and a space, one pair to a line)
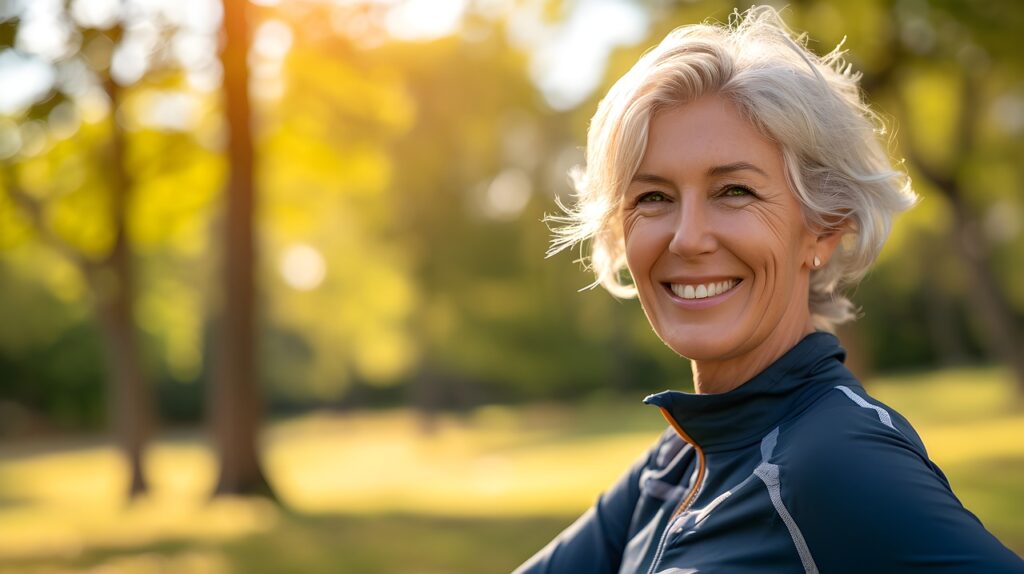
371, 492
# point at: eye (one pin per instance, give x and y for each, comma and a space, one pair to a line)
651, 197
737, 191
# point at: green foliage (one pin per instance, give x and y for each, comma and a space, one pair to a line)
401, 188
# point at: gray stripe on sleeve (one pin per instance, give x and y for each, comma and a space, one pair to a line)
769, 474
883, 415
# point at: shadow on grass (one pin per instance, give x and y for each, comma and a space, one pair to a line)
413, 544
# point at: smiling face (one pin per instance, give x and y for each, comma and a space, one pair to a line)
716, 242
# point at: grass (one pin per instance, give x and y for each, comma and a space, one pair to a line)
370, 492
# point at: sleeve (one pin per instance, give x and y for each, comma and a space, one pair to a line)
595, 542
868, 500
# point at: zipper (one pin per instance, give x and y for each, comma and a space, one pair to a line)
690, 496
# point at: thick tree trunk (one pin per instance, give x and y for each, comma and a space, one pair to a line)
236, 397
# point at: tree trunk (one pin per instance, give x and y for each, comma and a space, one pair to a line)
114, 288
235, 395
129, 398
1001, 335
859, 357
943, 330
622, 374
425, 395
111, 282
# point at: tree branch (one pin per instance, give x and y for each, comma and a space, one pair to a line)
35, 210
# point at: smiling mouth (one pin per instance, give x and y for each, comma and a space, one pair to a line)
703, 290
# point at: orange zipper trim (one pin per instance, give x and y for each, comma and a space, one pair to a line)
692, 495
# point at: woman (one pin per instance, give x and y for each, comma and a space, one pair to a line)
741, 181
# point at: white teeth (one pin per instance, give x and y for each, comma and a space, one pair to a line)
703, 291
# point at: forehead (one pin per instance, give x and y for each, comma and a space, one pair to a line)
704, 133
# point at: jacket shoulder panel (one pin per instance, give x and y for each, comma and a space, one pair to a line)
857, 479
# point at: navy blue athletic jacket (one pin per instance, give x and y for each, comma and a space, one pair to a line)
797, 470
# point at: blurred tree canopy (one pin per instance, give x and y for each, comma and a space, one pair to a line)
403, 181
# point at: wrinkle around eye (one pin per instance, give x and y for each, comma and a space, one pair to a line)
772, 220
752, 199
629, 220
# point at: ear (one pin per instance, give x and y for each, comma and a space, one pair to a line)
827, 240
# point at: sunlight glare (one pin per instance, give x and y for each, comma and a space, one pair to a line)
24, 79
272, 40
303, 267
567, 61
99, 14
424, 19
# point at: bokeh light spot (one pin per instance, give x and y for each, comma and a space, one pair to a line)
303, 267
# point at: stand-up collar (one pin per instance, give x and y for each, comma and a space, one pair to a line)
742, 416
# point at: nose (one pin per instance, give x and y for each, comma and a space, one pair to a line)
694, 234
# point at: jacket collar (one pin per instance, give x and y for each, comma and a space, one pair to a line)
742, 416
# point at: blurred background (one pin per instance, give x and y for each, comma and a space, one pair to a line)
273, 294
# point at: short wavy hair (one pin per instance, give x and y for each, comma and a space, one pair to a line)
832, 144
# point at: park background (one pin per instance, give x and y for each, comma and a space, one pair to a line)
273, 293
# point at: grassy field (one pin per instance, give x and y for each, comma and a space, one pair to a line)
371, 492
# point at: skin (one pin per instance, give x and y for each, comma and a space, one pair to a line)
710, 203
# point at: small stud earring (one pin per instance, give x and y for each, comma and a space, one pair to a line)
817, 262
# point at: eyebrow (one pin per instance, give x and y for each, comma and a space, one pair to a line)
651, 178
717, 170
737, 166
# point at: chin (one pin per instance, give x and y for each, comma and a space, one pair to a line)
702, 346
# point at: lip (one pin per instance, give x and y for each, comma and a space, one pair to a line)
700, 303
699, 279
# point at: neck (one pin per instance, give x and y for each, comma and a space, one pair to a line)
724, 375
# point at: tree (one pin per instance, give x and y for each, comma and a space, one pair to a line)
1001, 335
970, 46
109, 274
235, 393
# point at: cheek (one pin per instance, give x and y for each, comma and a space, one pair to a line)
772, 226
769, 242
643, 248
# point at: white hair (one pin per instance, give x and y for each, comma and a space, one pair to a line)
835, 160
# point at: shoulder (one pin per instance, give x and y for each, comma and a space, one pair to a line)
851, 456
850, 442
846, 425
855, 476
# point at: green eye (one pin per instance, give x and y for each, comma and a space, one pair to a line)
652, 197
736, 191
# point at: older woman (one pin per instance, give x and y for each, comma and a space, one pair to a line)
741, 181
